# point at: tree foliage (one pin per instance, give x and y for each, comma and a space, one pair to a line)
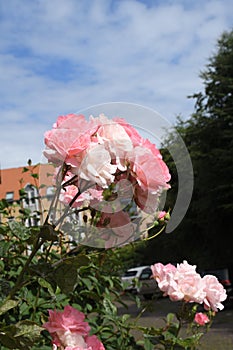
205, 233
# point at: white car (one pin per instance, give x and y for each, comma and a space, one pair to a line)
138, 280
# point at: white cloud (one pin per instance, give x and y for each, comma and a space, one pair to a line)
58, 58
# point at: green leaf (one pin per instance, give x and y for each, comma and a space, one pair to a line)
109, 307
47, 285
170, 317
7, 305
66, 277
48, 233
78, 261
4, 248
35, 176
20, 336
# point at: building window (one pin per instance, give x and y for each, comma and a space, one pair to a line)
10, 196
50, 192
31, 195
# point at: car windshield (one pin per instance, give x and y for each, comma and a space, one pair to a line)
130, 273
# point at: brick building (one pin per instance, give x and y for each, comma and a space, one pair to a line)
28, 187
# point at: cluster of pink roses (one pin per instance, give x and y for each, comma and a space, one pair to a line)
184, 283
101, 151
108, 166
69, 331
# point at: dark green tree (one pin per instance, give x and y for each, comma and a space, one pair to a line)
205, 234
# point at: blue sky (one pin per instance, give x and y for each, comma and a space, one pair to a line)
60, 57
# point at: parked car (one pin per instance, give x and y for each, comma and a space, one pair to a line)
139, 280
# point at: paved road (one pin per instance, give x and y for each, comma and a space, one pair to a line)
219, 337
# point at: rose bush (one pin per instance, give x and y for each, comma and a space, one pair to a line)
107, 172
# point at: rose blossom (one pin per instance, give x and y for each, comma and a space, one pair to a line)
162, 214
215, 293
130, 130
100, 149
94, 343
89, 196
201, 318
68, 320
70, 332
163, 275
115, 139
184, 283
189, 284
96, 166
70, 136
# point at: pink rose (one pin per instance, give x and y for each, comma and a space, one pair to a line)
70, 136
69, 331
148, 169
115, 140
201, 318
101, 150
215, 293
163, 275
67, 326
187, 284
76, 348
70, 319
96, 166
88, 197
161, 214
130, 130
94, 343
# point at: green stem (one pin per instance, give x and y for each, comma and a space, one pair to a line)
155, 235
19, 281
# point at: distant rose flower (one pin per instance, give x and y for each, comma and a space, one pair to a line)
163, 274
201, 318
188, 286
161, 214
215, 293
